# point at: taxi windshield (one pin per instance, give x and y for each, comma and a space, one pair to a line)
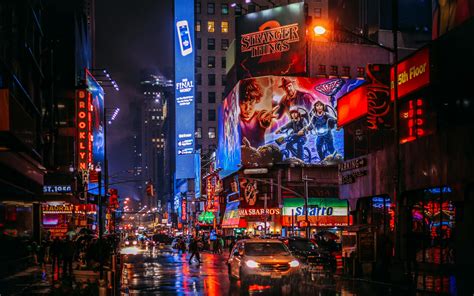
265, 249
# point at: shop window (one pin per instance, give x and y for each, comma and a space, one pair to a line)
430, 239
225, 27
378, 211
211, 27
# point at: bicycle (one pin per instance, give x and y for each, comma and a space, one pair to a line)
290, 150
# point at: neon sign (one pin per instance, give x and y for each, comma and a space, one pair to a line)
84, 129
412, 73
412, 121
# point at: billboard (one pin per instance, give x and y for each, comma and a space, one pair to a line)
271, 42
184, 52
84, 130
321, 211
96, 93
283, 120
450, 14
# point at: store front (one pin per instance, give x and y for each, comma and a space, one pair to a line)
57, 219
16, 219
329, 214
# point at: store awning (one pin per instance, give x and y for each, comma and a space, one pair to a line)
231, 215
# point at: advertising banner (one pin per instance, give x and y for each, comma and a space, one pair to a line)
283, 120
321, 211
184, 52
271, 42
98, 145
231, 216
412, 73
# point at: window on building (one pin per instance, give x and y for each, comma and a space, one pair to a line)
223, 62
211, 97
225, 27
251, 8
211, 62
211, 26
211, 44
238, 10
198, 61
211, 8
360, 72
198, 79
211, 79
322, 69
263, 7
224, 80
334, 70
224, 9
211, 133
198, 43
199, 132
224, 44
317, 12
198, 115
346, 71
211, 115
198, 97
197, 7
198, 26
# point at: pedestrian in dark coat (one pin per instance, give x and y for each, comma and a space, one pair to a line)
194, 249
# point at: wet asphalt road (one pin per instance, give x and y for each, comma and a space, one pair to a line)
166, 272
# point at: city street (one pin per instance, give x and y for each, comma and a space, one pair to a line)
169, 273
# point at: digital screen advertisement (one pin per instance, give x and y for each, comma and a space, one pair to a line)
321, 211
184, 88
98, 144
283, 120
271, 42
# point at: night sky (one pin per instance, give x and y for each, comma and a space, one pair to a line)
130, 36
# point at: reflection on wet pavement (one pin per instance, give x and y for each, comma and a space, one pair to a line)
164, 272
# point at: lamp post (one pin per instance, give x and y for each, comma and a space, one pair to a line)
308, 230
98, 169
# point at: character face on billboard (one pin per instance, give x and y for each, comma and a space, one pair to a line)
295, 115
251, 95
289, 88
319, 107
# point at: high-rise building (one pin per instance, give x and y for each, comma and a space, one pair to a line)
156, 92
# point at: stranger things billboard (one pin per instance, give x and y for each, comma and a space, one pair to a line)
272, 119
271, 42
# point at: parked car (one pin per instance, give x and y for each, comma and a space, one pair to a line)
314, 259
263, 261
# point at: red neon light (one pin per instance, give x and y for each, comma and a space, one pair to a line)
413, 73
84, 132
352, 106
414, 122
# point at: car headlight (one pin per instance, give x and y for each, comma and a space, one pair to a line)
134, 242
127, 243
251, 264
294, 263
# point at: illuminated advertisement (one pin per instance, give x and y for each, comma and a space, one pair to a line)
450, 14
352, 106
184, 88
271, 42
84, 130
412, 73
285, 120
96, 94
231, 216
321, 211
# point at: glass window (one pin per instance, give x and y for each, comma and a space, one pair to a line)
211, 97
211, 8
223, 62
346, 71
224, 80
198, 79
212, 133
198, 26
211, 115
198, 115
211, 62
334, 70
198, 43
211, 27
198, 61
197, 7
224, 44
211, 44
224, 8
317, 12
199, 132
265, 249
198, 97
225, 27
211, 79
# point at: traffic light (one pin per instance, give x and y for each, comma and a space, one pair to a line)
150, 190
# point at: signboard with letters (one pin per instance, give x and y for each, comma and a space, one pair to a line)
321, 211
413, 73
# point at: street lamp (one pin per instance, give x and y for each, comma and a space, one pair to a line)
98, 169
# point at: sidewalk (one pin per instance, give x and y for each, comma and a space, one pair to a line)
31, 281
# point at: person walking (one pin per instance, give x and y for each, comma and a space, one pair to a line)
68, 255
194, 249
220, 245
55, 254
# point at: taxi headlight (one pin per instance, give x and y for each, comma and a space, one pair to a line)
127, 243
294, 263
251, 264
134, 242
